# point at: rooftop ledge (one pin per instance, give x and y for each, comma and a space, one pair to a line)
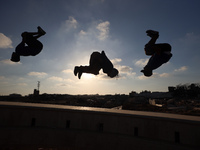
142, 114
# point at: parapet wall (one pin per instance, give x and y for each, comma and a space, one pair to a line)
45, 126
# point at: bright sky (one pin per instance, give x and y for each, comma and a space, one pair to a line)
76, 28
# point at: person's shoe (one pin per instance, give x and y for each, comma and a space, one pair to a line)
152, 33
15, 57
147, 73
80, 74
41, 31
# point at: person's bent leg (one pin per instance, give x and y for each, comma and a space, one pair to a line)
150, 46
85, 69
89, 69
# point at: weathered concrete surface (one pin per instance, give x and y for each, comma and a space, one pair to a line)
33, 126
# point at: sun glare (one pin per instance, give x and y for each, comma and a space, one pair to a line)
88, 76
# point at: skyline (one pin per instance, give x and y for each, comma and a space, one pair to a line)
74, 29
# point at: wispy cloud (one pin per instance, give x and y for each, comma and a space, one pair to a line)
54, 78
190, 38
82, 33
164, 75
2, 77
155, 75
60, 79
142, 77
103, 30
141, 62
116, 61
181, 69
69, 24
9, 62
5, 42
37, 74
126, 70
67, 71
22, 84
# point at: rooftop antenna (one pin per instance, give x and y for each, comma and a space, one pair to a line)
38, 85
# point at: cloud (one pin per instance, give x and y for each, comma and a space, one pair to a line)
164, 75
181, 69
63, 85
63, 80
54, 78
124, 69
22, 84
142, 77
155, 75
81, 33
190, 38
141, 62
116, 60
69, 24
67, 71
9, 62
2, 78
5, 42
38, 74
103, 30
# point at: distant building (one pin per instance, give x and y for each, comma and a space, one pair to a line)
36, 92
171, 88
132, 94
15, 95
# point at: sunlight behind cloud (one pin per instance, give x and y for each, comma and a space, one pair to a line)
88, 76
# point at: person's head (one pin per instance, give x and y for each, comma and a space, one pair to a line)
113, 73
147, 72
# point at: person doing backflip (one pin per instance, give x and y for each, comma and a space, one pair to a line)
97, 62
29, 46
160, 53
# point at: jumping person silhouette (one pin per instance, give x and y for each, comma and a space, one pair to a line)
160, 53
97, 62
29, 46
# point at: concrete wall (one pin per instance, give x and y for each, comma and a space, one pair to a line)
43, 126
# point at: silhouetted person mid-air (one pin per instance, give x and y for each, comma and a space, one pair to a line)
97, 62
160, 53
29, 46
